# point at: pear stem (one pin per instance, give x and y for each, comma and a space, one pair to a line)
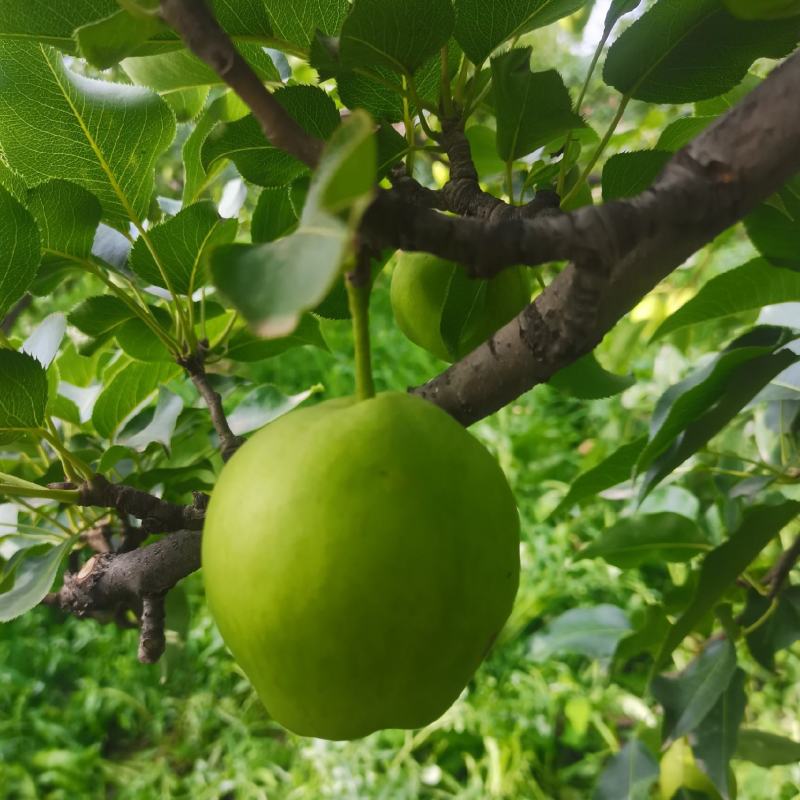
358, 292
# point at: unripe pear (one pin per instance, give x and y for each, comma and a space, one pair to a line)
359, 559
421, 284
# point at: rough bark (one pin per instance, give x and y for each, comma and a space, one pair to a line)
622, 250
141, 578
156, 515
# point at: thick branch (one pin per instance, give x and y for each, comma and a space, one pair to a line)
737, 163
196, 25
112, 578
113, 581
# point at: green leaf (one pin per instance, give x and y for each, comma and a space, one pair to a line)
743, 384
779, 628
481, 27
296, 21
243, 346
483, 144
371, 94
262, 405
636, 651
106, 137
680, 132
686, 50
592, 632
23, 394
182, 244
725, 102
753, 285
649, 538
721, 567
684, 402
689, 696
99, 316
588, 380
272, 284
464, 301
33, 578
187, 104
244, 143
227, 108
162, 426
401, 36
107, 41
615, 469
36, 20
20, 251
68, 216
629, 775
138, 341
275, 214
183, 70
12, 182
766, 749
45, 340
776, 233
128, 391
714, 740
532, 107
629, 174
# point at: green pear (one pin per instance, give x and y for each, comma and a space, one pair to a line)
359, 559
422, 286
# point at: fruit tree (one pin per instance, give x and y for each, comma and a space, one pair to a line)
191, 191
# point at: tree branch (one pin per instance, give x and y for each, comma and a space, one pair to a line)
229, 442
463, 194
197, 26
157, 516
141, 578
715, 181
14, 313
779, 574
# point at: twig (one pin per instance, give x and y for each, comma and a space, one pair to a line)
229, 442
779, 574
197, 26
14, 313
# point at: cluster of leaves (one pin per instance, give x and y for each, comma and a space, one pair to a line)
98, 221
